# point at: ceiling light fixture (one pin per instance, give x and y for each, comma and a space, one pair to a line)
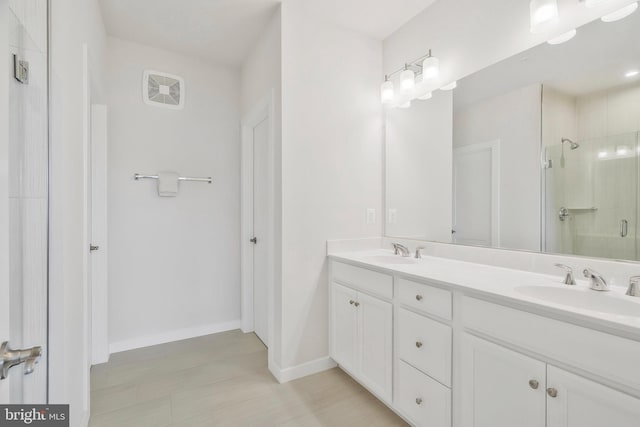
544, 13
430, 67
620, 13
386, 91
562, 38
632, 73
450, 86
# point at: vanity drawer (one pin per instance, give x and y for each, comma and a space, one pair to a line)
369, 281
425, 344
425, 298
421, 399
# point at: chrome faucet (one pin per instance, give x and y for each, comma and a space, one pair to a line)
568, 276
401, 249
597, 281
418, 254
634, 286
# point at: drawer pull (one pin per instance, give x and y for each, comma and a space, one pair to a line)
534, 384
418, 344
552, 392
419, 297
351, 302
418, 401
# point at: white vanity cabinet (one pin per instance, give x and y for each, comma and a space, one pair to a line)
361, 329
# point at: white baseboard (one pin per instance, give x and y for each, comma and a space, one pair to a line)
171, 336
303, 370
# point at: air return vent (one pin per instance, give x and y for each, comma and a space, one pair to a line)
163, 90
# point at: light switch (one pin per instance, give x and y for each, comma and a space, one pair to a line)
371, 216
393, 216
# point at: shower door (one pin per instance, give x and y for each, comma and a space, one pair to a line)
591, 197
24, 201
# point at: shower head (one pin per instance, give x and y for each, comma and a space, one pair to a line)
573, 145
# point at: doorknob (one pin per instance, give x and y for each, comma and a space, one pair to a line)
10, 358
254, 240
93, 248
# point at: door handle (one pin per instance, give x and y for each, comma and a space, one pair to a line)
10, 358
93, 248
624, 227
254, 240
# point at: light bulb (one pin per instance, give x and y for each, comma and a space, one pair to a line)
563, 37
407, 80
450, 86
594, 3
426, 96
620, 13
430, 68
386, 91
603, 154
544, 13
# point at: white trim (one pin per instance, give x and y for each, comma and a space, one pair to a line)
303, 370
494, 147
265, 109
174, 335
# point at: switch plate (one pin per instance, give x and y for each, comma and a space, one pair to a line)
371, 216
393, 216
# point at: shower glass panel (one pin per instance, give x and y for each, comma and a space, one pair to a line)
591, 197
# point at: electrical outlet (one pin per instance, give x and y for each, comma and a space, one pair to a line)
371, 216
393, 216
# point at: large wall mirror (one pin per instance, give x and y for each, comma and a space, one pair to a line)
542, 151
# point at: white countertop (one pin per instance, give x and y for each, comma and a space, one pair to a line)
502, 285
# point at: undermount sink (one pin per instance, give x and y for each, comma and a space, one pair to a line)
584, 299
389, 259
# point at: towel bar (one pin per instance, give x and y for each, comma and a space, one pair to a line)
182, 178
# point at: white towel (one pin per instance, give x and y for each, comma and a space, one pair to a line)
167, 184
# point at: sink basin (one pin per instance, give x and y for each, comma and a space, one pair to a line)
585, 299
389, 259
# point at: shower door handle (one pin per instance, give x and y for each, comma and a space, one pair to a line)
624, 227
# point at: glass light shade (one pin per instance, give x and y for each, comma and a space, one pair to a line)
632, 73
563, 37
450, 86
387, 92
407, 80
426, 96
594, 3
620, 13
544, 13
430, 68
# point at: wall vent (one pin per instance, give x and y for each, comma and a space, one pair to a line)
163, 90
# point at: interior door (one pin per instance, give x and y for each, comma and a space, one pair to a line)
500, 387
476, 195
573, 401
24, 202
260, 224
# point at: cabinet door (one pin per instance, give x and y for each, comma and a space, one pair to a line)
500, 387
344, 319
579, 402
376, 345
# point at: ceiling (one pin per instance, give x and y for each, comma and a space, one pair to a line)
224, 31
596, 59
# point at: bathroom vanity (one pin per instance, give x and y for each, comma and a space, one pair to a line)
450, 343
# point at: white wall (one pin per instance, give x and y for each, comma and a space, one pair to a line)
73, 22
173, 262
513, 119
331, 165
261, 73
418, 140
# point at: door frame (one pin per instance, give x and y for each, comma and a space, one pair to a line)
494, 147
263, 110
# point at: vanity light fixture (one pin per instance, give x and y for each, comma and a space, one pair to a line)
426, 96
407, 79
562, 38
544, 13
430, 67
450, 86
632, 73
386, 90
620, 13
603, 154
622, 150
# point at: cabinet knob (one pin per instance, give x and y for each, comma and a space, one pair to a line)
552, 392
419, 297
418, 401
351, 302
534, 384
357, 304
418, 344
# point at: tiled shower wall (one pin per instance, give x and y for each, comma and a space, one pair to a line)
28, 191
